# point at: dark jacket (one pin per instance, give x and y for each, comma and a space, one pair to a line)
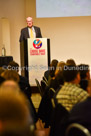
25, 34
81, 113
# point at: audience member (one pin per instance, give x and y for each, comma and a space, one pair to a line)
10, 85
84, 71
23, 81
51, 70
67, 77
81, 112
85, 75
70, 62
53, 66
10, 75
59, 73
84, 84
48, 80
15, 119
71, 93
13, 75
59, 79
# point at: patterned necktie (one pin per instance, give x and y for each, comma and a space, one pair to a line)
31, 33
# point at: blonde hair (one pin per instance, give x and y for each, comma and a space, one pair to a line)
59, 67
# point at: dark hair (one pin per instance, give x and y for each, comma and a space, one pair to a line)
13, 66
53, 66
70, 72
84, 84
71, 62
83, 69
10, 75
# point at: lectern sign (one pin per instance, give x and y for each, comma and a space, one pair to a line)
37, 44
37, 59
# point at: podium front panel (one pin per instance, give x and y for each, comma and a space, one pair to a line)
38, 58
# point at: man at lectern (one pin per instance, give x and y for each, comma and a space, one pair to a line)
30, 31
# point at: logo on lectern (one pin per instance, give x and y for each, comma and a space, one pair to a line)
37, 44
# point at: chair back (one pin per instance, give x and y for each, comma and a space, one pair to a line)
44, 85
58, 120
44, 78
46, 107
39, 87
76, 129
51, 94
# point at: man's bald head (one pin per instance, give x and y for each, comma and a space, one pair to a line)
29, 21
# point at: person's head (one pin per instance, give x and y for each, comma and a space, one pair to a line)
14, 112
71, 62
59, 67
13, 66
53, 66
10, 85
59, 72
84, 71
29, 21
84, 84
10, 75
71, 74
89, 87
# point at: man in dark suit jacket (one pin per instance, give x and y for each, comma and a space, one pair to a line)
26, 32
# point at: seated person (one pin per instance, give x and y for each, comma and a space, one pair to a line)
23, 81
71, 93
81, 112
13, 75
71, 62
85, 75
15, 117
51, 70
